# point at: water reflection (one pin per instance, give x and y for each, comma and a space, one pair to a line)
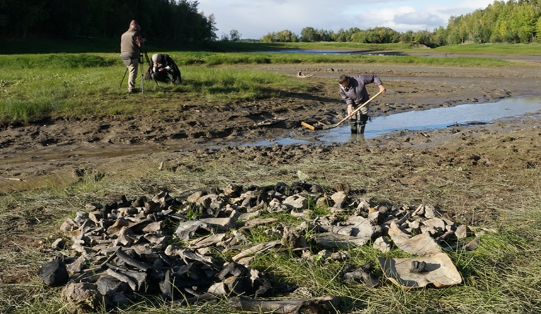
438, 118
393, 53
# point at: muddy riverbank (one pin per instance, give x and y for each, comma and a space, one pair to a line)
52, 148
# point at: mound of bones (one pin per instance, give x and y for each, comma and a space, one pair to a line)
123, 251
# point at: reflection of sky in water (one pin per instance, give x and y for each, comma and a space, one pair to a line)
338, 52
437, 118
316, 52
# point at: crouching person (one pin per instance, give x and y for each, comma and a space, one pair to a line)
164, 69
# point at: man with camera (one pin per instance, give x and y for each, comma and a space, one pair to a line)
130, 50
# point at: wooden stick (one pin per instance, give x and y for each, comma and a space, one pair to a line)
308, 126
356, 110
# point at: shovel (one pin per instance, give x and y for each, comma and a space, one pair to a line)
321, 126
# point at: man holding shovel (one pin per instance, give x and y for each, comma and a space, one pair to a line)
353, 92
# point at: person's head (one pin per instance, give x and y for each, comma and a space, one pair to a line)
344, 81
156, 58
134, 25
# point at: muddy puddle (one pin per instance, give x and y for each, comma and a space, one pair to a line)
467, 114
440, 118
431, 119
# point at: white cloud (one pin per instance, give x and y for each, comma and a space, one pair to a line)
254, 19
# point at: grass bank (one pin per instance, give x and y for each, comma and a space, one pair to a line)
501, 276
35, 87
39, 86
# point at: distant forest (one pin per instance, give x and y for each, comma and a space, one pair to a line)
166, 20
501, 22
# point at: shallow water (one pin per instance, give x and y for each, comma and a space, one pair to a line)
356, 52
439, 118
430, 119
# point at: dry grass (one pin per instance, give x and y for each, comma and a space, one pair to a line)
498, 190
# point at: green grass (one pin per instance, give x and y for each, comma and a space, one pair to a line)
40, 86
533, 49
209, 58
35, 87
242, 46
488, 49
501, 276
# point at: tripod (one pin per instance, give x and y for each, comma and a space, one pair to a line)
144, 52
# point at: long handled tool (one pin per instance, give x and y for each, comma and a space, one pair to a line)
331, 126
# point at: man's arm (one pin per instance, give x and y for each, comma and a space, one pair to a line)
139, 39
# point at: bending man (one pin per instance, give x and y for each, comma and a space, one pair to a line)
130, 50
165, 68
353, 92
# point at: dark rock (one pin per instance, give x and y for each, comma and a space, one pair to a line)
109, 286
54, 273
81, 298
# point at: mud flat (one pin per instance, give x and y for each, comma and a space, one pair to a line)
480, 175
49, 147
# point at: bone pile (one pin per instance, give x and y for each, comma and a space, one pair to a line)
167, 246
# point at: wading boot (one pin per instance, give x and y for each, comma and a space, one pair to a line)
362, 123
354, 123
353, 126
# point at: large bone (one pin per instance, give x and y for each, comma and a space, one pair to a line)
302, 75
132, 261
256, 249
322, 305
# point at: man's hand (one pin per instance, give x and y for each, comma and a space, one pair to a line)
350, 110
382, 89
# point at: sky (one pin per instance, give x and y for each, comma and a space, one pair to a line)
255, 18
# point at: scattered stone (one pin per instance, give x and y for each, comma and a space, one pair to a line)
360, 274
81, 297
54, 273
121, 248
382, 245
437, 269
58, 244
322, 305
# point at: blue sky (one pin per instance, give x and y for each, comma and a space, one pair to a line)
256, 18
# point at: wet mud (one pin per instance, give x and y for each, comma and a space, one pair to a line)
48, 147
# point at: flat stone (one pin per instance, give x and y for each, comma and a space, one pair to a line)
382, 245
295, 201
421, 244
339, 198
333, 240
81, 298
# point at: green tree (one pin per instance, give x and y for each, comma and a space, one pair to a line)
309, 34
269, 38
234, 35
286, 36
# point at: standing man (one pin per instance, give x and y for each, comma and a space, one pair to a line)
353, 92
130, 51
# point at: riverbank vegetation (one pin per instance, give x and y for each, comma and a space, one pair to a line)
500, 22
39, 86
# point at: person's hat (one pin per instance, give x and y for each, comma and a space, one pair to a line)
134, 25
156, 58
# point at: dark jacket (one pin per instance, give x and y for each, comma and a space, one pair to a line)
171, 70
357, 94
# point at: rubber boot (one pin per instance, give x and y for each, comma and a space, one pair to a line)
362, 123
353, 124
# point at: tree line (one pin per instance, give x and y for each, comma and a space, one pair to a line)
166, 20
514, 21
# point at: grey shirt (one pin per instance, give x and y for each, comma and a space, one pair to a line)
128, 44
357, 94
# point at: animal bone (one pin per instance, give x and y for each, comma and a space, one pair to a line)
301, 75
